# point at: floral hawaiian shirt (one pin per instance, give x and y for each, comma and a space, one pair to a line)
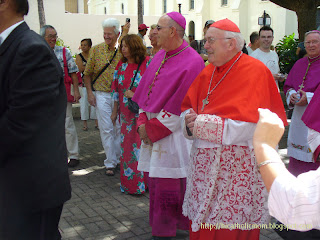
72, 66
98, 58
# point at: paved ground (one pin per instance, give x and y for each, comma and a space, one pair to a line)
98, 210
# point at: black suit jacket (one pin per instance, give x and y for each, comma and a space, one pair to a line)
33, 158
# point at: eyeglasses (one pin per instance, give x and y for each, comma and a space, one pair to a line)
52, 36
159, 27
211, 40
314, 42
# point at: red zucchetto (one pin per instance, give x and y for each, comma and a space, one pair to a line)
226, 25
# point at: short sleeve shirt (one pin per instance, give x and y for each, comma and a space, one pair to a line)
72, 66
270, 59
98, 57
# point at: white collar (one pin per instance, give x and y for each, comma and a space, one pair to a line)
6, 33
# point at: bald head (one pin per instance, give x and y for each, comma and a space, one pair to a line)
169, 33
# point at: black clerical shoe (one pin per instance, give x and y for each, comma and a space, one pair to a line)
73, 163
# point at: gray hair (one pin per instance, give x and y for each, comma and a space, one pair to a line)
44, 29
112, 22
180, 29
313, 31
239, 39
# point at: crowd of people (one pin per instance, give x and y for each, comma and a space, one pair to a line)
194, 123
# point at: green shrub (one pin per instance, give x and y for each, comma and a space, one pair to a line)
286, 50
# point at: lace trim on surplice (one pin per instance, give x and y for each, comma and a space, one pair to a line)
224, 187
209, 127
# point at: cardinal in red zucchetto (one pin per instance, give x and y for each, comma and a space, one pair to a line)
220, 110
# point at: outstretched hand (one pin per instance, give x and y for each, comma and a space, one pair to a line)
269, 129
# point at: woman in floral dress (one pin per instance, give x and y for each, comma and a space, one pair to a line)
133, 52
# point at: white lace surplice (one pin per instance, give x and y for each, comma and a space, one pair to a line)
223, 184
168, 157
298, 146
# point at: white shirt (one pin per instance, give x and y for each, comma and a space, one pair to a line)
270, 59
296, 201
249, 49
6, 33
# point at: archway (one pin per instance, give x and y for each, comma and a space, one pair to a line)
191, 29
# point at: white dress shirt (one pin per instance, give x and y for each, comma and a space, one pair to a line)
296, 201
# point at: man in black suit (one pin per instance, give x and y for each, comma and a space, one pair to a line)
34, 179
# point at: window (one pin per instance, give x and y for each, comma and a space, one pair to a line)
191, 4
122, 8
71, 6
224, 2
164, 6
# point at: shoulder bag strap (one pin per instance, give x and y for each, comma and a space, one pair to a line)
105, 67
65, 62
82, 57
132, 82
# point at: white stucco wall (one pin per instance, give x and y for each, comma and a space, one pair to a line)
72, 28
244, 13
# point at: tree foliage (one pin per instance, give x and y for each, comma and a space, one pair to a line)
306, 11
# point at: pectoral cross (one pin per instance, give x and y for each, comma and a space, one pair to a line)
301, 86
204, 103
